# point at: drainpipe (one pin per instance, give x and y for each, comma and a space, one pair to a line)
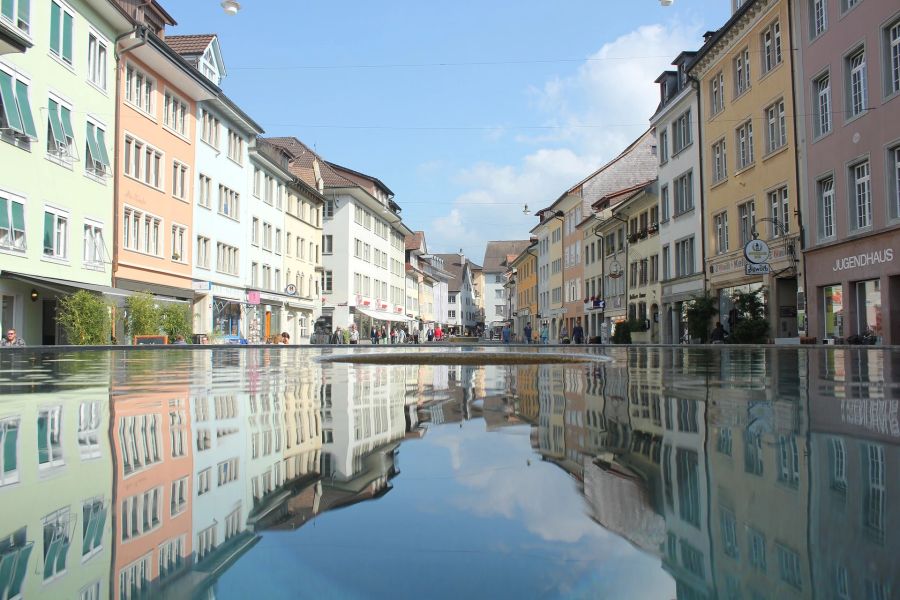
801, 273
695, 83
140, 31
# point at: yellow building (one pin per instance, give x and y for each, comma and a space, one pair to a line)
750, 177
526, 286
550, 266
644, 289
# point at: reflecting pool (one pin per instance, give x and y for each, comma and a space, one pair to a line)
661, 473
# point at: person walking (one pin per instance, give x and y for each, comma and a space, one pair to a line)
438, 333
563, 334
383, 335
577, 333
373, 335
504, 333
354, 334
545, 334
527, 333
718, 334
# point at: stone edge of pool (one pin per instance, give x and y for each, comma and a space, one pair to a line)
462, 358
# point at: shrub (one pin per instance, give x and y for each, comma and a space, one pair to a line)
700, 311
176, 319
85, 318
142, 316
752, 326
622, 334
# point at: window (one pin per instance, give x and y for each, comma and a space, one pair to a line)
327, 244
15, 110
664, 202
134, 580
92, 523
327, 281
203, 244
756, 543
874, 492
254, 274
178, 496
684, 193
56, 233
776, 132
9, 450
179, 180
861, 195
227, 471
684, 257
719, 166
139, 442
857, 95
666, 257
96, 159
97, 60
825, 192
203, 481
893, 187
16, 12
277, 241
744, 140
729, 532
848, 4
12, 224
788, 461
254, 231
89, 592
141, 513
175, 113
235, 147
789, 566
226, 259
56, 542
818, 17
779, 211
143, 162
139, 89
328, 209
721, 226
61, 25
179, 233
663, 146
742, 72
209, 128
892, 60
142, 232
229, 202
171, 556
822, 105
233, 523
94, 251
771, 47
267, 237
206, 542
681, 131
204, 191
717, 93
60, 134
747, 216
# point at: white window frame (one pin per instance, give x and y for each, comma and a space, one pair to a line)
8, 240
857, 83
778, 202
203, 251
818, 12
181, 174
682, 136
825, 195
143, 243
60, 55
892, 57
720, 161
64, 152
776, 127
822, 122
59, 215
770, 46
97, 59
17, 20
176, 113
93, 254
742, 77
137, 94
204, 191
136, 165
721, 228
860, 179
233, 199
744, 144
180, 239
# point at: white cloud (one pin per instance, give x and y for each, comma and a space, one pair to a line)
595, 113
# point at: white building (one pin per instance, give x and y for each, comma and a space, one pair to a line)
676, 127
462, 308
497, 256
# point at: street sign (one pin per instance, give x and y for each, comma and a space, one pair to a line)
757, 252
751, 269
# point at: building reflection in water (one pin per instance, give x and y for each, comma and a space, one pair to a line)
748, 474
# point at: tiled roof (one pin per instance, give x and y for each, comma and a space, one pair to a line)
454, 267
496, 253
190, 44
415, 241
302, 159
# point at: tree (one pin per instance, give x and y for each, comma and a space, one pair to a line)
752, 326
85, 318
142, 316
176, 320
700, 311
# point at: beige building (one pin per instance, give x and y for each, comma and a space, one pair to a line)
644, 289
750, 178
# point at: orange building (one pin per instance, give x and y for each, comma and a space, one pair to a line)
158, 91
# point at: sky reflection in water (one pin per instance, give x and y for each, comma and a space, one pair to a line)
666, 473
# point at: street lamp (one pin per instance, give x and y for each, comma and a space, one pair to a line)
666, 2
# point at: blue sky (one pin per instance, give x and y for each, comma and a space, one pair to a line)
466, 110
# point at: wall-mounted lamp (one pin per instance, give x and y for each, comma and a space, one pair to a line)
34, 295
231, 7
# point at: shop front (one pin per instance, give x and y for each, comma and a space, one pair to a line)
851, 291
218, 309
366, 319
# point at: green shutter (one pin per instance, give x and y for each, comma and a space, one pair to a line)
101, 523
4, 213
67, 38
62, 556
67, 122
6, 7
55, 124
21, 566
18, 215
7, 562
88, 536
101, 144
10, 460
24, 12
44, 453
54, 27
50, 557
25, 110
92, 144
8, 99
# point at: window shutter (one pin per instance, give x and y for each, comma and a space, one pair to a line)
24, 12
8, 99
54, 27
67, 37
18, 216
4, 214
55, 124
48, 249
67, 122
92, 145
101, 145
25, 110
6, 8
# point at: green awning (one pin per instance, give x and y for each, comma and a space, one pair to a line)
101, 144
25, 109
8, 98
55, 125
7, 563
54, 27
92, 143
21, 567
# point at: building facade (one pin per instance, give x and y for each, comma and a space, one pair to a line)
497, 256
644, 291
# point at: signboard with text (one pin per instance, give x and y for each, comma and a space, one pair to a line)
751, 269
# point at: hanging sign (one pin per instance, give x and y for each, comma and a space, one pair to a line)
757, 252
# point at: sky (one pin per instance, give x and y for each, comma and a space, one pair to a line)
466, 110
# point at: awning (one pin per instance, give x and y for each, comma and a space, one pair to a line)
172, 292
381, 315
63, 286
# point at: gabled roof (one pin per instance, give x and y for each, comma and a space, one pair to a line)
195, 43
496, 254
305, 162
455, 268
362, 179
416, 241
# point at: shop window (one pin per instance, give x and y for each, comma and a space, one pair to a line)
868, 310
833, 303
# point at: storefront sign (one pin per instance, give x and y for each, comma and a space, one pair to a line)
291, 289
200, 286
751, 269
757, 252
864, 260
253, 298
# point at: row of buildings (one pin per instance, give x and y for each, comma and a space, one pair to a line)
772, 162
119, 135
